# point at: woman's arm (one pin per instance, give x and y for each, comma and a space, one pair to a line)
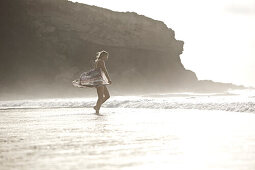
101, 64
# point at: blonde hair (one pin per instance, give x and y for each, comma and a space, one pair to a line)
101, 54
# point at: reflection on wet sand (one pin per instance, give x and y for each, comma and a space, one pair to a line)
126, 138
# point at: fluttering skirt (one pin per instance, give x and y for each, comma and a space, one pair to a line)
92, 78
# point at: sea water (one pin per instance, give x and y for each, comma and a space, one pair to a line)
156, 131
237, 101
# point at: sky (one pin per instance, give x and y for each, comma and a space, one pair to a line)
219, 35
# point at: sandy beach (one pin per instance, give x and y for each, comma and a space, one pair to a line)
173, 82
76, 138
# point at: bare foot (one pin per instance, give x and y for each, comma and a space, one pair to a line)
97, 110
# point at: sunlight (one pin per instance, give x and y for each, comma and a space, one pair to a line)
214, 36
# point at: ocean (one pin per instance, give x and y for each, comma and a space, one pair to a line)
177, 131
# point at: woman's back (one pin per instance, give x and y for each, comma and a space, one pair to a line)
98, 63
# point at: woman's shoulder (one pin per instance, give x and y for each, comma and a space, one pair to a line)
99, 63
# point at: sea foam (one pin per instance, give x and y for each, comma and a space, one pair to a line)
230, 102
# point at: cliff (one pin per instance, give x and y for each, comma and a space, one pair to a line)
48, 43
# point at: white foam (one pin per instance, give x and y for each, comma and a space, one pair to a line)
236, 103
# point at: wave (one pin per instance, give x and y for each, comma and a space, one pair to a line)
224, 103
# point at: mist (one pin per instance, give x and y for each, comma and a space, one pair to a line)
88, 87
216, 34
48, 44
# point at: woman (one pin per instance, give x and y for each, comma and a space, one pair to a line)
102, 91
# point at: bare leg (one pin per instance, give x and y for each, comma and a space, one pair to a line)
106, 94
100, 93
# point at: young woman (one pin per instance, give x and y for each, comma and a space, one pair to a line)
102, 91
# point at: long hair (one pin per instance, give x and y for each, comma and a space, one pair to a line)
100, 55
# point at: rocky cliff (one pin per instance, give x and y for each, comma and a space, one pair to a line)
45, 44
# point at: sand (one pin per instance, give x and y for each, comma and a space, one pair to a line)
75, 138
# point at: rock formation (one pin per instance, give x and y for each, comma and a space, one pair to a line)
45, 44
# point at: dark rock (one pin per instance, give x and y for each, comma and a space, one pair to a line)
45, 44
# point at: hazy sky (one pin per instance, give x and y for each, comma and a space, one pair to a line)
219, 35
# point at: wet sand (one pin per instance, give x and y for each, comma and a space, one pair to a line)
126, 139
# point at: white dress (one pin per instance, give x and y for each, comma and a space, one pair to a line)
92, 78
